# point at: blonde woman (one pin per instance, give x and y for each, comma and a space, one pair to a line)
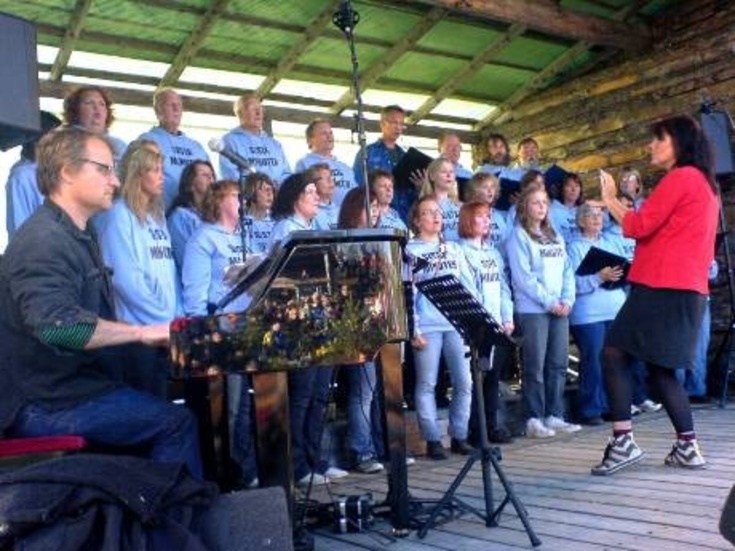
442, 184
136, 245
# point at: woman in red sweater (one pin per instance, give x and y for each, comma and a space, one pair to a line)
675, 239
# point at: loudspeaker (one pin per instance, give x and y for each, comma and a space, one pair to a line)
727, 520
716, 126
256, 520
20, 116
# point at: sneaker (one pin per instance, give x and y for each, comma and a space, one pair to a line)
461, 447
536, 429
620, 452
369, 466
312, 478
686, 454
333, 473
634, 410
649, 406
410, 460
558, 424
435, 451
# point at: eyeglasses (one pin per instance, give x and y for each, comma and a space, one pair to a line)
107, 170
430, 212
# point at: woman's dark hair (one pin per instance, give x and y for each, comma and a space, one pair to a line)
691, 146
288, 194
529, 177
185, 197
353, 207
559, 192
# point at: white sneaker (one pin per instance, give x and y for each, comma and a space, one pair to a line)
559, 424
649, 406
312, 478
536, 429
333, 473
634, 410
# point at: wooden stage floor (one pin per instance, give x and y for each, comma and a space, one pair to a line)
649, 507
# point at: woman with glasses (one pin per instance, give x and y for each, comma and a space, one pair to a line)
433, 335
185, 213
599, 296
261, 193
213, 248
136, 245
543, 296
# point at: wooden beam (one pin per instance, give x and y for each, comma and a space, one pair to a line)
549, 17
192, 45
76, 24
288, 61
466, 72
502, 113
220, 107
390, 57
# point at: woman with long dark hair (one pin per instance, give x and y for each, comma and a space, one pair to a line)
675, 236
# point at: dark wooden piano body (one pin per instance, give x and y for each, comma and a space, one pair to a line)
319, 299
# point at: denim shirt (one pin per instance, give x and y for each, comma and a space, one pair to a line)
51, 274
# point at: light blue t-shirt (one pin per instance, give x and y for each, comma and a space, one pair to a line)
22, 196
343, 175
262, 152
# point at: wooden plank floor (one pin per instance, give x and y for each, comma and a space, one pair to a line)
649, 507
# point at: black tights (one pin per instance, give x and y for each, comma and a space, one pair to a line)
615, 368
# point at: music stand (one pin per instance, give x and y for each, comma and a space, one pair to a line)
481, 333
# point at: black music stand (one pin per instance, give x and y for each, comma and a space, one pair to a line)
481, 333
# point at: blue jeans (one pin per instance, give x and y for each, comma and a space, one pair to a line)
544, 358
364, 431
239, 406
694, 380
123, 418
426, 360
591, 395
308, 396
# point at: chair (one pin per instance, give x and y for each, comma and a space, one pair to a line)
17, 452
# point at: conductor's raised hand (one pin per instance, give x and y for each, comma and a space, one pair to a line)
608, 188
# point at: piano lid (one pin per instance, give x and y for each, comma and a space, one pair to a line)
319, 298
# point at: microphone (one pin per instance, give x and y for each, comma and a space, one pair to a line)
218, 146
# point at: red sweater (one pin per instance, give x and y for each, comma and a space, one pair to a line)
675, 233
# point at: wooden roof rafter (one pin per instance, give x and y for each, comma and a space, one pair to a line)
549, 17
192, 45
466, 72
312, 32
502, 112
377, 70
73, 30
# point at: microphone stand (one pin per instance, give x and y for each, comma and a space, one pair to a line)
346, 19
246, 224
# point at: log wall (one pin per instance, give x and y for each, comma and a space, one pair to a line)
601, 120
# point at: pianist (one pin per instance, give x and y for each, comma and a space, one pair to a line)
59, 361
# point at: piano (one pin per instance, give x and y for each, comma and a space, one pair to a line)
320, 298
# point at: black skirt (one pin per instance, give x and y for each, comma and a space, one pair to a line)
659, 326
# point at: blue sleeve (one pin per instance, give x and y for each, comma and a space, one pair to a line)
300, 165
506, 298
227, 170
196, 276
284, 164
357, 168
584, 284
23, 198
520, 253
181, 227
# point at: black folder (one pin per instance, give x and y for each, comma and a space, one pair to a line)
412, 160
596, 259
554, 177
507, 189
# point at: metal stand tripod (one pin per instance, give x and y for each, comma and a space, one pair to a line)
482, 333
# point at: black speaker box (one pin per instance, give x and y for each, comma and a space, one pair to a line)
727, 520
716, 126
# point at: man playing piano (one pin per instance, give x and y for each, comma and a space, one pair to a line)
59, 362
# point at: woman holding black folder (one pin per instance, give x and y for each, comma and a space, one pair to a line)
596, 304
675, 236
